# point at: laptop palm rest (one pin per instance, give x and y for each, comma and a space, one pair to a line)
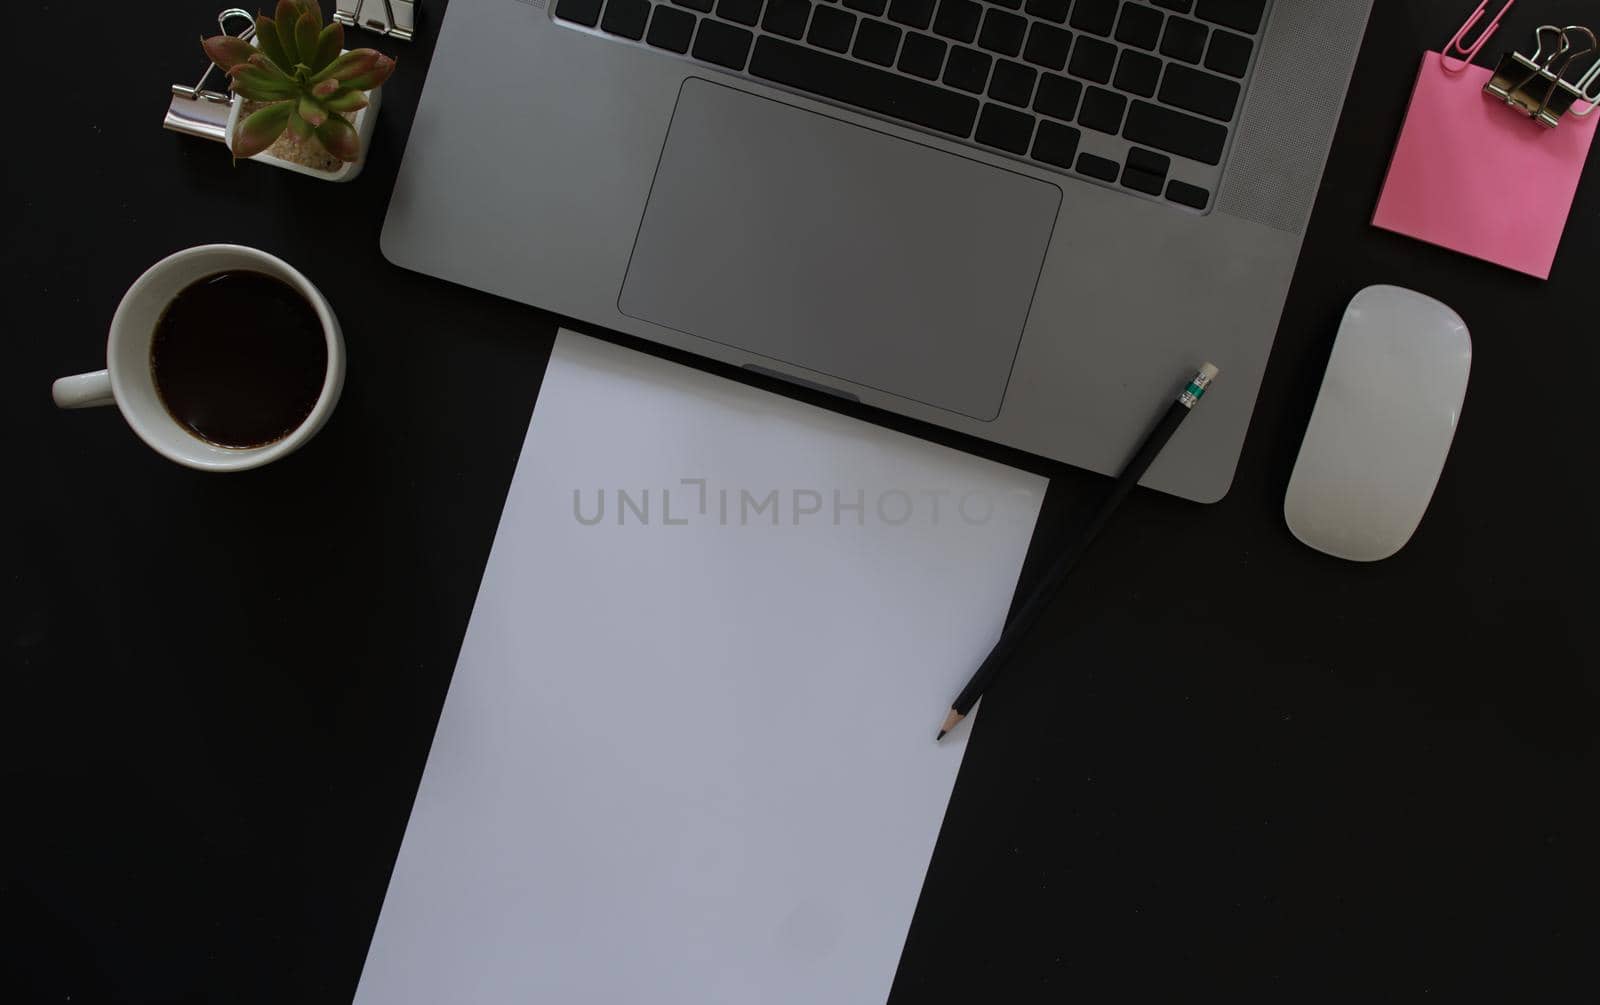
849, 252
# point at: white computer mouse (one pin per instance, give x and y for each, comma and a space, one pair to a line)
1382, 426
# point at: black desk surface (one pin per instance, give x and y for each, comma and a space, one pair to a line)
1293, 779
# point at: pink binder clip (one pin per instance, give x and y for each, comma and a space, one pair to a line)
1456, 49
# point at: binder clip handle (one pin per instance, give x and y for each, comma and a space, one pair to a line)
1459, 51
1591, 81
394, 18
1555, 67
1588, 87
197, 111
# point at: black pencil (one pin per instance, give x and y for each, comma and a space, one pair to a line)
1020, 625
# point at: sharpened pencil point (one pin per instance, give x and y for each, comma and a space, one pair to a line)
949, 724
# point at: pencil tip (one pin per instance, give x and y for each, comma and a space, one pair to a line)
941, 735
950, 722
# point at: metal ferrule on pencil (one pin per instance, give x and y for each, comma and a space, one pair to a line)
1197, 386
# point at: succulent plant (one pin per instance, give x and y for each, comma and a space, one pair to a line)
299, 70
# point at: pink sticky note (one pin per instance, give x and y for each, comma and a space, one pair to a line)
1472, 175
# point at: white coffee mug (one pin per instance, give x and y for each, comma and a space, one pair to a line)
129, 382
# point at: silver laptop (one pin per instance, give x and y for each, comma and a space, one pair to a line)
1025, 220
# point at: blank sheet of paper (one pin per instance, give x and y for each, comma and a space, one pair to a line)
687, 756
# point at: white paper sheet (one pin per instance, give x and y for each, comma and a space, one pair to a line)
693, 763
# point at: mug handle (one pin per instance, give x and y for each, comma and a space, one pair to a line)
84, 390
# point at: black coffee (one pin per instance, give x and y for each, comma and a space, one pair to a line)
239, 358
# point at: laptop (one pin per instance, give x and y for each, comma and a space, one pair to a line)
1024, 220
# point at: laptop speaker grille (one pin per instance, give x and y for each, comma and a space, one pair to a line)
1276, 163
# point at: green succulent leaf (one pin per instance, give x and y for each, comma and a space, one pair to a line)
339, 138
267, 39
311, 111
329, 44
354, 63
257, 132
346, 101
325, 88
227, 51
382, 67
311, 6
258, 85
260, 61
285, 17
306, 31
297, 125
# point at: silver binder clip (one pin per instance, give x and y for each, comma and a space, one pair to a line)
199, 111
394, 18
1537, 86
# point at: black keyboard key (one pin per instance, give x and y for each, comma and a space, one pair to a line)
1102, 110
912, 13
873, 7
703, 6
1002, 32
1197, 91
1181, 6
1240, 15
1229, 53
1099, 167
584, 12
1146, 171
1093, 59
1184, 39
1095, 15
1050, 10
1139, 26
1138, 73
787, 17
1185, 194
1175, 132
863, 86
1005, 128
1012, 83
831, 29
1047, 46
1142, 182
1058, 96
967, 69
743, 11
1149, 161
670, 29
957, 19
626, 18
1008, 4
876, 42
922, 56
1055, 143
722, 44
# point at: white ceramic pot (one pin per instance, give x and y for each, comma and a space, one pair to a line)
364, 122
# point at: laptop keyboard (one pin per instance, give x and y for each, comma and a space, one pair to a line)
1141, 94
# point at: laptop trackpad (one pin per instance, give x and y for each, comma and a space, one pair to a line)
840, 249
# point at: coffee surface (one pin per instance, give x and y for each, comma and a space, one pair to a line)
239, 358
